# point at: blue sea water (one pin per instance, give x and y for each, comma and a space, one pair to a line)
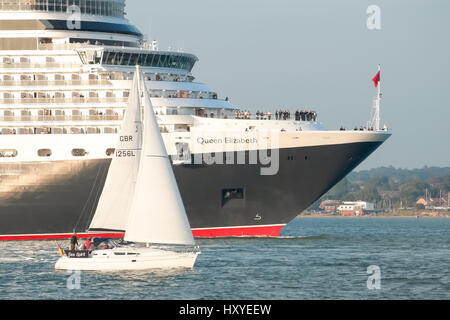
317, 258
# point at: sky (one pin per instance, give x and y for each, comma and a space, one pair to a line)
320, 55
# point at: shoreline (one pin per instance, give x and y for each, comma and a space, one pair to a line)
303, 216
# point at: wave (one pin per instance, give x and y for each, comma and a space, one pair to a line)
275, 238
16, 259
302, 237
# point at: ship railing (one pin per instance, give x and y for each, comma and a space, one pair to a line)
254, 117
28, 65
65, 46
108, 8
79, 100
61, 118
273, 116
38, 83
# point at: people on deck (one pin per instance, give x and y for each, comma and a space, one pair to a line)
73, 242
88, 243
279, 115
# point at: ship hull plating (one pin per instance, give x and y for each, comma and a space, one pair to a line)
50, 199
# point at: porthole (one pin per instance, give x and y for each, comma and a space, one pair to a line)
44, 152
8, 153
110, 152
79, 152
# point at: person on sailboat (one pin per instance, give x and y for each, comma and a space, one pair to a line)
73, 242
89, 244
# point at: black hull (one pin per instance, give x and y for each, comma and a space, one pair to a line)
55, 197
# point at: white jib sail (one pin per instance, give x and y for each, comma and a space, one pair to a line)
115, 201
157, 214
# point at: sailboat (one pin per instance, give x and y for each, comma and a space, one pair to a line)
140, 196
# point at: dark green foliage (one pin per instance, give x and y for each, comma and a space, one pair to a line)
396, 187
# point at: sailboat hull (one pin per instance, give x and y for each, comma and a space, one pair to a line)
120, 259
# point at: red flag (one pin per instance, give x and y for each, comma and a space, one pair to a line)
377, 79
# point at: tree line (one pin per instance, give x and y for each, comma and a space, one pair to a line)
390, 187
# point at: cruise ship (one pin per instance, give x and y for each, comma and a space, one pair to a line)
65, 74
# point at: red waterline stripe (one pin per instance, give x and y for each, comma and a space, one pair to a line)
259, 231
58, 236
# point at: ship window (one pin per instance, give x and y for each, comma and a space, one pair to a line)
92, 130
58, 131
44, 153
232, 195
79, 152
110, 130
149, 60
8, 153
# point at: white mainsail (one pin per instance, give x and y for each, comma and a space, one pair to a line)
116, 198
157, 213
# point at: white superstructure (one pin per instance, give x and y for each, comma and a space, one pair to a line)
65, 76
57, 77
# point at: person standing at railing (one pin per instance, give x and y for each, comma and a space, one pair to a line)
73, 242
